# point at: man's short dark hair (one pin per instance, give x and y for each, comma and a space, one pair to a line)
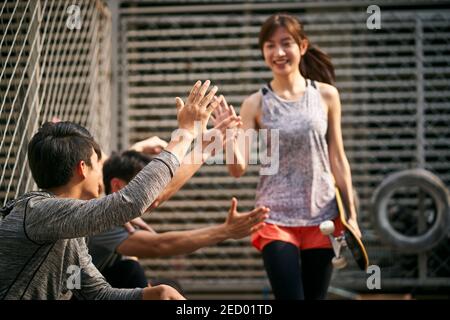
56, 149
124, 166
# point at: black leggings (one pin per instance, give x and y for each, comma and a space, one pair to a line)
297, 274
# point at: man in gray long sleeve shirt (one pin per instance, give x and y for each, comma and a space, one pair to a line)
43, 254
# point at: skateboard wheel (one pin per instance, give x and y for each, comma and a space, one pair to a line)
436, 231
339, 263
327, 227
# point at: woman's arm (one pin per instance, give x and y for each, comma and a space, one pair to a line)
340, 166
240, 146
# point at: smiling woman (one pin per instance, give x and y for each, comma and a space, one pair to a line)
281, 52
301, 103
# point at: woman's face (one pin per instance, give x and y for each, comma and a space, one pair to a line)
282, 54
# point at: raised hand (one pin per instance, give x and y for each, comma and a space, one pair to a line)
223, 111
194, 115
222, 122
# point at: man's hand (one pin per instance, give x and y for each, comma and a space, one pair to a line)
162, 292
153, 145
240, 225
198, 108
140, 223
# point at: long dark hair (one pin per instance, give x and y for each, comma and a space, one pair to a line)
315, 64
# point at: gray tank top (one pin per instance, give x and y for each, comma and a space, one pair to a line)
302, 192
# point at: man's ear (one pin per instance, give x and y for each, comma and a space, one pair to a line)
117, 184
81, 169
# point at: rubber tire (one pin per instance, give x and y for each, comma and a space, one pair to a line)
429, 183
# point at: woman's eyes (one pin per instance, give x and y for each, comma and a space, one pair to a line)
284, 44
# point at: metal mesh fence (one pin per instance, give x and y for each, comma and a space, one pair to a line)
50, 68
396, 114
394, 85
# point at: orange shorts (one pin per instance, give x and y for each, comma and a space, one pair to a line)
308, 237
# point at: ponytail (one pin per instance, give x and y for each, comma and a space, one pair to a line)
316, 65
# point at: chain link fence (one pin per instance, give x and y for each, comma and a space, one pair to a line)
55, 64
393, 81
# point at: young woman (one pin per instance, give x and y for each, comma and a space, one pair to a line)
302, 103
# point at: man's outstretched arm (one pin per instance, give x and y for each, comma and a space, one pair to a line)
145, 244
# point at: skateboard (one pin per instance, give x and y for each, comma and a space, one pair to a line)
347, 239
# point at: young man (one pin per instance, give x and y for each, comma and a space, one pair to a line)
110, 249
43, 254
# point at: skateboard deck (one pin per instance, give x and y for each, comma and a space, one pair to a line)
347, 239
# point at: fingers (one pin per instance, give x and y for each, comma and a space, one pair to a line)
197, 96
129, 227
163, 144
259, 217
255, 217
154, 205
223, 103
152, 145
257, 227
227, 108
233, 207
233, 113
201, 92
179, 103
139, 222
229, 122
213, 105
193, 92
207, 100
258, 211
212, 120
218, 111
224, 108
